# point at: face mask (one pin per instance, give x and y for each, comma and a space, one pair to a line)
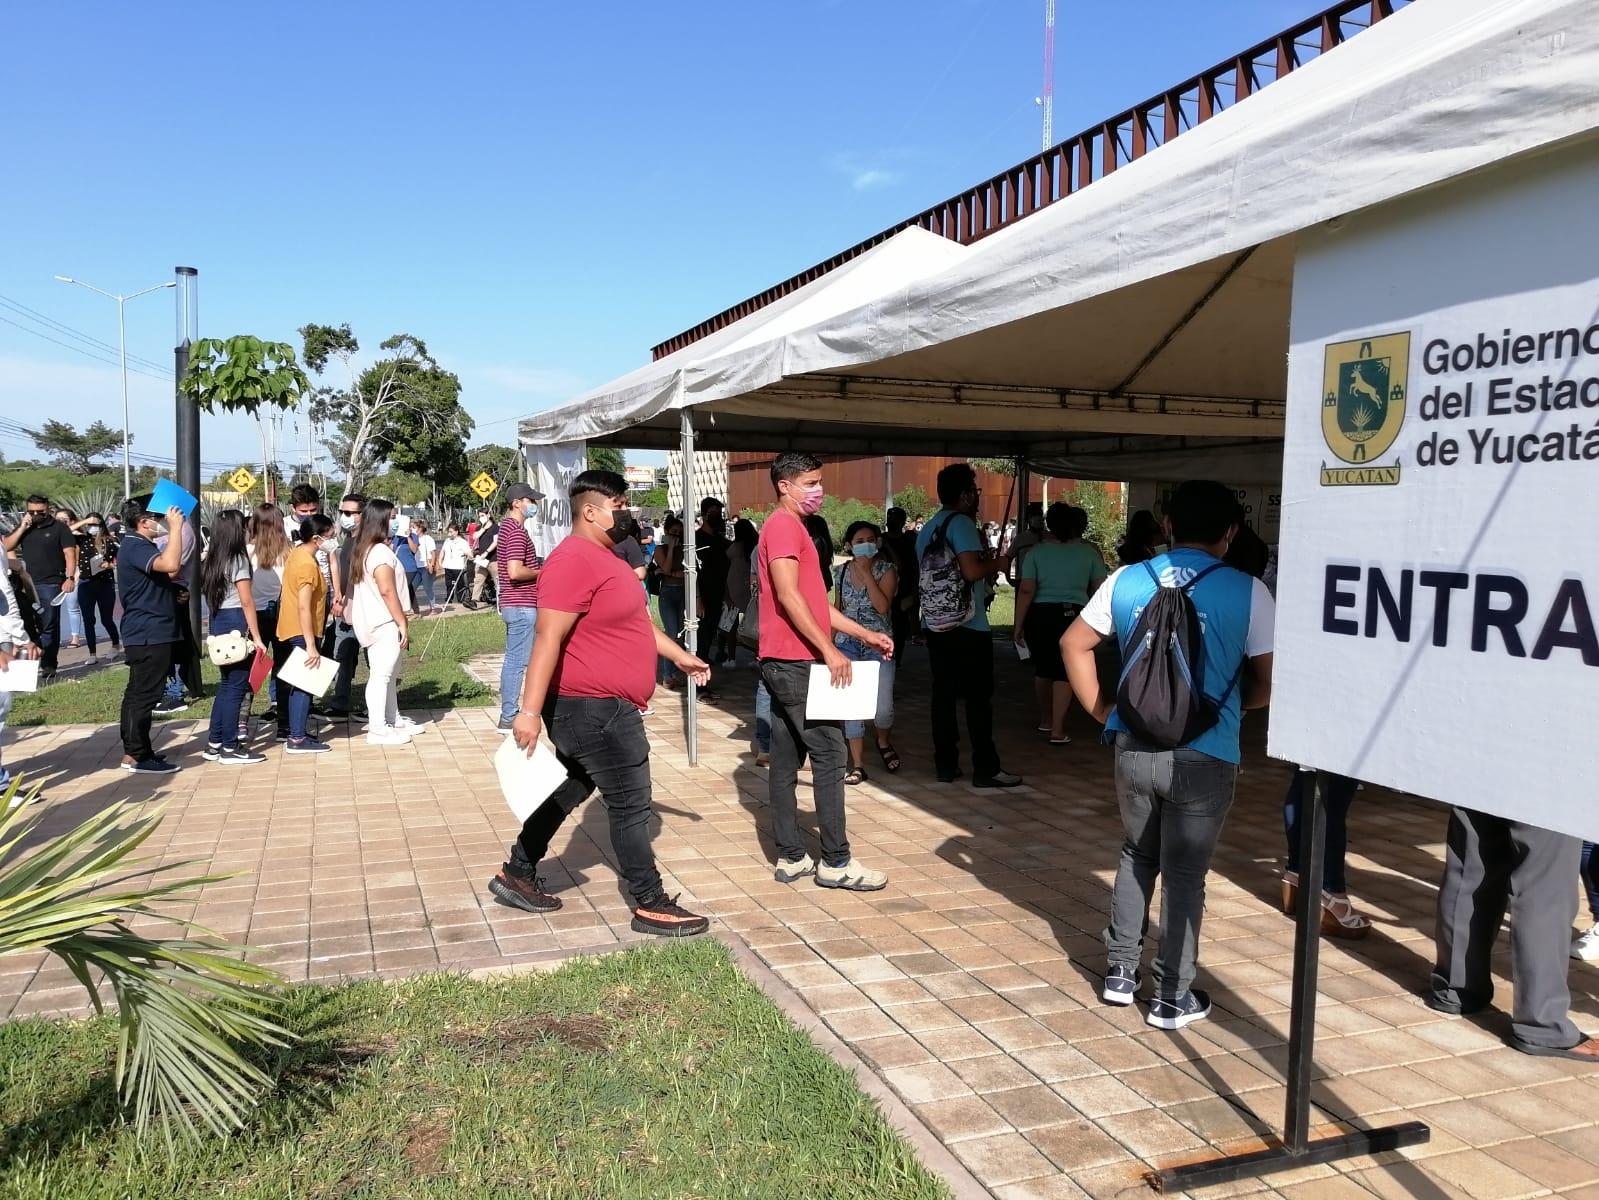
811, 500
39, 520
92, 528
617, 532
864, 549
346, 521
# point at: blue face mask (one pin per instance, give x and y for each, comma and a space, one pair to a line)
864, 549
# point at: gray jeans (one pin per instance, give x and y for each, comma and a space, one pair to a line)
1173, 805
793, 737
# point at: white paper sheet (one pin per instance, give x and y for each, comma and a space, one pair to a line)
857, 702
22, 675
527, 782
296, 674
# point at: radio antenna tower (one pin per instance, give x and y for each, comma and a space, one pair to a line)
1047, 100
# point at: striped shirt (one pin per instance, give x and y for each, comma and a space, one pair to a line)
515, 543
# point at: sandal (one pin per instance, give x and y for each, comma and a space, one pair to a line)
1339, 919
854, 776
1586, 1050
890, 758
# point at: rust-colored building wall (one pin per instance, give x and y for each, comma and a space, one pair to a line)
862, 478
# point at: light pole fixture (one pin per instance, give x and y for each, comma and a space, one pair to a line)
122, 341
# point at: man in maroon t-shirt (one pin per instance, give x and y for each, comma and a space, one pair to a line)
796, 632
518, 583
591, 672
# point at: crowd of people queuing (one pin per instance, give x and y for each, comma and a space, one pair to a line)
584, 661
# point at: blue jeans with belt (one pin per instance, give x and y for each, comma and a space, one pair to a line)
520, 626
235, 684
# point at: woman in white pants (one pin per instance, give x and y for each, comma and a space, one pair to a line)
378, 618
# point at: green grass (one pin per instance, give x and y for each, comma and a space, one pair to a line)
661, 1072
430, 677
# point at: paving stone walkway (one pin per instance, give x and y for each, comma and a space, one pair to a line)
969, 984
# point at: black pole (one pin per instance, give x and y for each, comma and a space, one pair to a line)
188, 461
1297, 1150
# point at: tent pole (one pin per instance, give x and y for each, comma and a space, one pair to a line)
691, 589
888, 485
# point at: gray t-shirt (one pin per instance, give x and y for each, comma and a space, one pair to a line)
238, 569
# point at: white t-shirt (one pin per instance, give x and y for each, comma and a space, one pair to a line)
266, 584
1097, 613
368, 612
456, 552
425, 549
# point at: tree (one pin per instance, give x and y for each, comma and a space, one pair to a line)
402, 487
915, 501
654, 497
995, 466
242, 373
1106, 520
189, 1008
404, 410
607, 458
74, 451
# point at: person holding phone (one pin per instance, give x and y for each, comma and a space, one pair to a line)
49, 551
14, 644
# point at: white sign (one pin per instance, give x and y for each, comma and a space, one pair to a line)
1439, 564
640, 478
551, 470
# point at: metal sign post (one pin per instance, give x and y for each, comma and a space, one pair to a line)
691, 589
1297, 1150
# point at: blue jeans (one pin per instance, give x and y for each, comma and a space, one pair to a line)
858, 651
299, 704
347, 653
1590, 879
97, 595
421, 586
520, 626
49, 627
1340, 794
5, 710
235, 683
1173, 805
72, 616
672, 605
763, 718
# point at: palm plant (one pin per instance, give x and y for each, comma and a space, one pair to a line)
189, 1008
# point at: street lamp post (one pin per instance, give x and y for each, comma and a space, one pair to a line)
122, 340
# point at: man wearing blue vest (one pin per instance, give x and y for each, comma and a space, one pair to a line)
1174, 802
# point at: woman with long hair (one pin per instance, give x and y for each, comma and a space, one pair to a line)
1058, 577
97, 580
225, 578
865, 589
740, 570
378, 618
1143, 535
269, 549
669, 575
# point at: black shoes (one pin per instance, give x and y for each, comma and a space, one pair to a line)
1000, 779
527, 894
666, 918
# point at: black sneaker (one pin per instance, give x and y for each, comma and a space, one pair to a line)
239, 756
306, 745
504, 726
1192, 1006
151, 766
269, 716
999, 779
1447, 1002
212, 752
666, 918
1121, 985
527, 894
165, 707
950, 776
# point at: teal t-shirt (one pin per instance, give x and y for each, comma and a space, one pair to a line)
1065, 571
963, 536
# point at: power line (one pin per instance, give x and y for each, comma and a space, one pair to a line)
110, 362
21, 309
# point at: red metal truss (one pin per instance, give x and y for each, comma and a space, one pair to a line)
1094, 153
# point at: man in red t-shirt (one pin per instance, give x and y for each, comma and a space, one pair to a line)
796, 632
591, 671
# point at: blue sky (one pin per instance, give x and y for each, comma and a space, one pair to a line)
541, 192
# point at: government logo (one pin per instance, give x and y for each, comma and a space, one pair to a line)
1363, 407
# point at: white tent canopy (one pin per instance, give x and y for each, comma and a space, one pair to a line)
1144, 315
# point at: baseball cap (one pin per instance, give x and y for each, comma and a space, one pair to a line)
521, 491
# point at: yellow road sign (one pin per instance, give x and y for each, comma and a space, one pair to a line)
242, 480
484, 485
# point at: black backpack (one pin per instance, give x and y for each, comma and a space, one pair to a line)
1161, 697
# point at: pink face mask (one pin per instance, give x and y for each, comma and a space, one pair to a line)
811, 500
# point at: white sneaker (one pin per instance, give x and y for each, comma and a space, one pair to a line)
405, 723
388, 737
92, 661
1585, 945
851, 877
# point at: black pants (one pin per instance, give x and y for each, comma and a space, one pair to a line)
963, 670
602, 744
454, 588
148, 668
186, 656
713, 599
904, 622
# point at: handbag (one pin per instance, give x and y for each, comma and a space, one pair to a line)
226, 649
749, 629
729, 621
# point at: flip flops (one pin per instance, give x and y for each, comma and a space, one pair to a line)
1572, 1052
